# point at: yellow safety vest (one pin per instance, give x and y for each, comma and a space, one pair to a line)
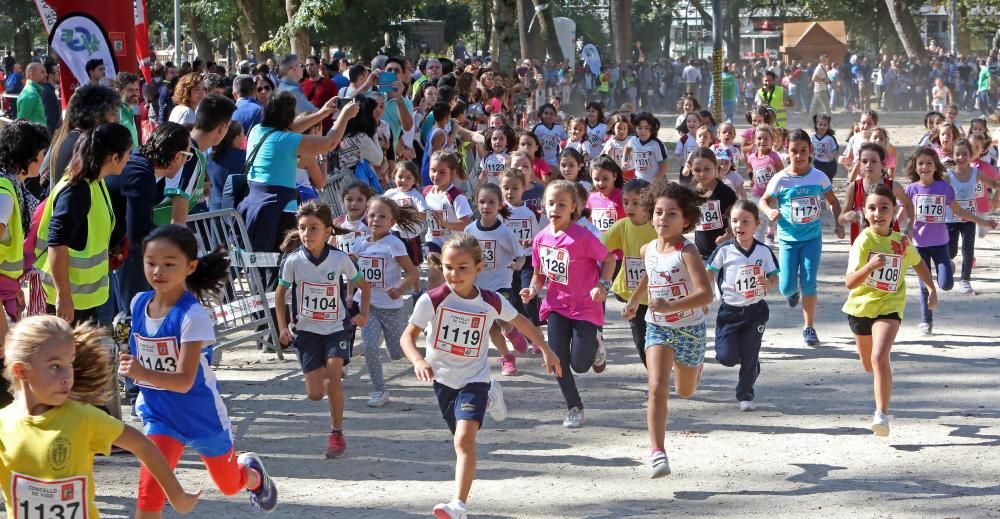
88, 268
777, 101
12, 254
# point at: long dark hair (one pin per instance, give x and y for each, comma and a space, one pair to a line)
228, 142
94, 148
365, 121
165, 142
212, 269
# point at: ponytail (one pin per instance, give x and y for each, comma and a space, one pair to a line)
212, 269
94, 148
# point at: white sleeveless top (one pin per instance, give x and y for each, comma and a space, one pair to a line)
965, 194
669, 279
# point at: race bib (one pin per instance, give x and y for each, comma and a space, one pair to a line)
522, 229
489, 253
158, 354
603, 218
968, 205
405, 201
746, 285
554, 263
432, 222
460, 333
346, 241
671, 292
319, 302
930, 208
980, 190
711, 216
762, 175
372, 270
886, 277
641, 161
39, 499
634, 269
804, 209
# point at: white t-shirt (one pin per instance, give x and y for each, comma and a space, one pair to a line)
494, 164
453, 208
411, 198
6, 210
737, 269
181, 114
596, 136
825, 149
196, 326
550, 139
378, 266
821, 81
358, 228
500, 249
319, 303
356, 147
615, 149
458, 333
526, 224
684, 147
647, 156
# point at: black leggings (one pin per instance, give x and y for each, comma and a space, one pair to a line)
967, 230
575, 343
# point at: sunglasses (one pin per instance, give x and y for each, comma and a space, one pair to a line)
263, 88
187, 155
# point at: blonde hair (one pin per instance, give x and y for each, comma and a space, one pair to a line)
92, 372
182, 92
569, 188
464, 242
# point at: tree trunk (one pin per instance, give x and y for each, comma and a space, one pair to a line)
202, 43
487, 25
621, 30
547, 29
256, 29
25, 20
299, 40
665, 40
531, 42
906, 28
732, 30
502, 35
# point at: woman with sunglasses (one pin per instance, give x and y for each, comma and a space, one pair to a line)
264, 87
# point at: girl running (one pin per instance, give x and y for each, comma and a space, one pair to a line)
880, 136
170, 354
597, 130
678, 289
981, 143
716, 200
325, 329
931, 122
944, 143
757, 117
965, 180
825, 143
458, 314
355, 198
626, 238
792, 199
605, 202
550, 132
762, 164
728, 176
500, 142
871, 162
449, 208
876, 277
571, 167
727, 141
526, 223
406, 195
687, 142
502, 255
867, 121
386, 268
577, 138
58, 375
617, 147
649, 155
529, 143
566, 257
743, 270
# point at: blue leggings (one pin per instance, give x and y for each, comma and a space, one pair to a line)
938, 262
799, 264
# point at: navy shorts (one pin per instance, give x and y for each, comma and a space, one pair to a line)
315, 349
432, 248
467, 403
863, 325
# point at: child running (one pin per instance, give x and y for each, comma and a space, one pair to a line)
605, 202
572, 167
825, 144
762, 163
355, 198
577, 138
526, 223
449, 208
170, 352
744, 269
717, 199
597, 130
876, 277
550, 132
457, 317
58, 374
617, 147
577, 268
792, 199
385, 266
406, 195
500, 142
871, 159
649, 155
965, 180
678, 289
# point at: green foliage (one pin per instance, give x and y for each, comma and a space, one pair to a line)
984, 25
20, 15
457, 15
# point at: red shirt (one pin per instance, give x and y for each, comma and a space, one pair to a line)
319, 92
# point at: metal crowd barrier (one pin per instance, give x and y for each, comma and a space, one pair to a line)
242, 309
332, 192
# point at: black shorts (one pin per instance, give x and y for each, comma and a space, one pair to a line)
466, 403
315, 349
433, 248
863, 325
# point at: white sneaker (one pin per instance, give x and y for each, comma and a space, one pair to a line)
601, 359
574, 418
964, 286
747, 405
452, 510
496, 405
378, 398
926, 329
880, 424
659, 466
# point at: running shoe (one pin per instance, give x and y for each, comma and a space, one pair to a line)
378, 398
265, 498
965, 287
809, 336
452, 510
496, 405
508, 365
880, 424
793, 300
536, 350
926, 329
747, 406
574, 418
659, 466
336, 445
517, 340
601, 359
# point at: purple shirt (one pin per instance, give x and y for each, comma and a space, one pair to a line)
570, 261
930, 204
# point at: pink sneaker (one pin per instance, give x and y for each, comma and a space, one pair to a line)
508, 365
536, 350
517, 340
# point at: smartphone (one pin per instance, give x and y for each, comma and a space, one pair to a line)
385, 81
343, 101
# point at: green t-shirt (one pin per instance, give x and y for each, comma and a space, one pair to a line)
984, 79
884, 291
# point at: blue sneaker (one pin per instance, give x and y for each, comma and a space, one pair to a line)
793, 300
809, 336
265, 498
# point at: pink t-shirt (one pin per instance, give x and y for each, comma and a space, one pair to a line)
761, 169
983, 195
605, 211
541, 168
747, 135
570, 261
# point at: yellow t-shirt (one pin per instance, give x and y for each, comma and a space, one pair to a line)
884, 291
47, 461
628, 238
